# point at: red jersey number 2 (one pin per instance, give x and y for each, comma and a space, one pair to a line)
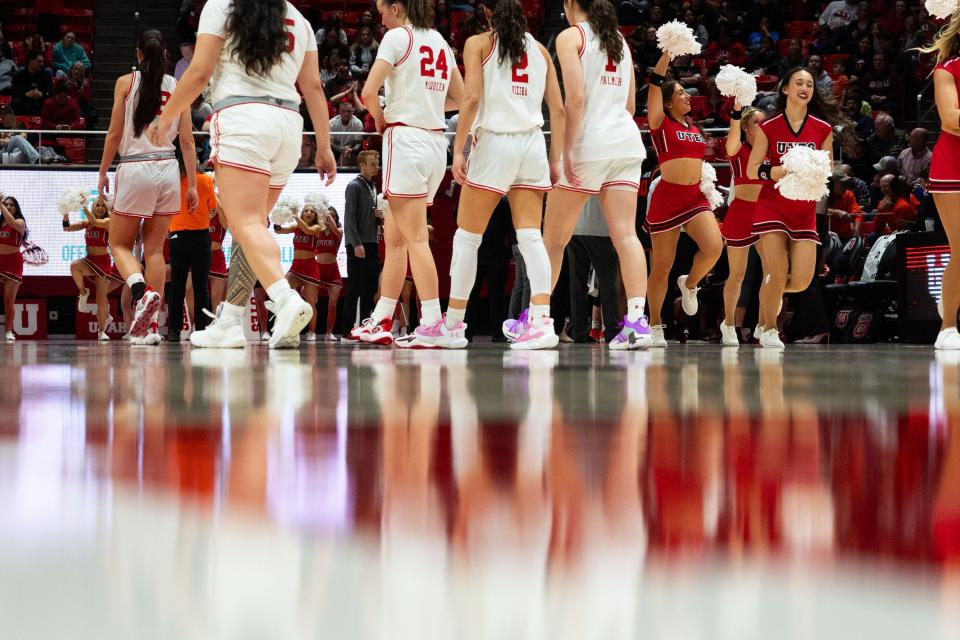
164, 98
519, 70
429, 66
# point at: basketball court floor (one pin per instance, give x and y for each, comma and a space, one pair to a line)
347, 492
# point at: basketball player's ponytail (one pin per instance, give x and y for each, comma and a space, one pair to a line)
419, 12
947, 43
510, 25
259, 35
153, 66
603, 20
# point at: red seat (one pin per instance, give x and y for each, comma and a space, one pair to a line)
800, 28
767, 83
74, 149
832, 58
698, 106
5, 99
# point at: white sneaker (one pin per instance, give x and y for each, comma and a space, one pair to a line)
770, 339
291, 315
371, 333
103, 337
688, 297
83, 304
264, 336
127, 337
311, 336
185, 334
948, 340
940, 307
436, 336
11, 337
728, 335
330, 338
538, 334
657, 339
222, 333
758, 331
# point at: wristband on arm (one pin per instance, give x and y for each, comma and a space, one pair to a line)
764, 171
735, 114
66, 223
656, 79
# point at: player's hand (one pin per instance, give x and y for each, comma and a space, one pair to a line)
459, 168
737, 106
326, 165
778, 173
103, 186
359, 251
556, 172
569, 172
193, 199
153, 131
380, 122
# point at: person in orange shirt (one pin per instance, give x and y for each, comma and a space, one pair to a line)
190, 253
846, 215
898, 208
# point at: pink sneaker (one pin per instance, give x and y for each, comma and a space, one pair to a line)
538, 334
435, 336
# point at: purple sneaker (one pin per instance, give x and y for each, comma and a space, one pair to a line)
633, 335
512, 329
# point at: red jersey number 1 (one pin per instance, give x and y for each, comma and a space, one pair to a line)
519, 70
611, 67
429, 66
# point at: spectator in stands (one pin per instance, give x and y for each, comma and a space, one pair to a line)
346, 147
732, 20
772, 9
308, 152
334, 25
823, 42
31, 86
913, 36
81, 90
656, 16
860, 189
763, 30
186, 56
853, 110
60, 111
66, 53
7, 70
915, 159
34, 42
862, 24
699, 32
840, 82
724, 50
794, 57
330, 44
647, 52
881, 86
928, 218
839, 14
886, 166
686, 74
766, 58
337, 88
6, 51
200, 112
16, 148
363, 53
330, 67
189, 20
821, 77
887, 140
861, 57
894, 21
442, 20
367, 20
843, 208
896, 210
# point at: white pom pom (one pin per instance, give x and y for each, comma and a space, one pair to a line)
807, 173
734, 82
284, 211
72, 200
317, 200
677, 39
941, 9
708, 186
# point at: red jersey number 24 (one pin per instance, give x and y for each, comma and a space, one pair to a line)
430, 63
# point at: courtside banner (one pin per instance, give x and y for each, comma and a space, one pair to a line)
38, 192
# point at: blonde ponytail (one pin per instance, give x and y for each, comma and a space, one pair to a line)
946, 44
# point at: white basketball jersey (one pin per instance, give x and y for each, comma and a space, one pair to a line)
417, 88
230, 79
130, 144
607, 130
512, 91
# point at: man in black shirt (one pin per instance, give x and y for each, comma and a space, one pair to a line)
360, 234
31, 86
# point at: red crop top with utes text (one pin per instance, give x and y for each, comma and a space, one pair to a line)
10, 237
217, 232
96, 237
328, 244
738, 166
302, 241
674, 140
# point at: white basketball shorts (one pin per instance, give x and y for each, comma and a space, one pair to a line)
260, 138
416, 161
503, 161
619, 174
145, 188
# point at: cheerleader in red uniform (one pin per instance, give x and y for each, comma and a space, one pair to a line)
13, 231
218, 261
737, 227
677, 200
788, 228
945, 170
97, 265
326, 247
304, 273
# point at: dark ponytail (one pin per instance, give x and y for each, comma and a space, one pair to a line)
419, 12
153, 66
259, 35
510, 25
602, 18
820, 106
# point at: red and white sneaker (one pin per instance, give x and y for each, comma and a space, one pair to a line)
538, 334
152, 338
147, 306
371, 333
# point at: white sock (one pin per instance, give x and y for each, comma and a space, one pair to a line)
594, 324
384, 309
535, 259
635, 308
134, 279
231, 312
538, 311
463, 263
455, 317
279, 290
430, 311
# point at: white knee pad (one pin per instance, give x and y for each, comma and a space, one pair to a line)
535, 259
463, 263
